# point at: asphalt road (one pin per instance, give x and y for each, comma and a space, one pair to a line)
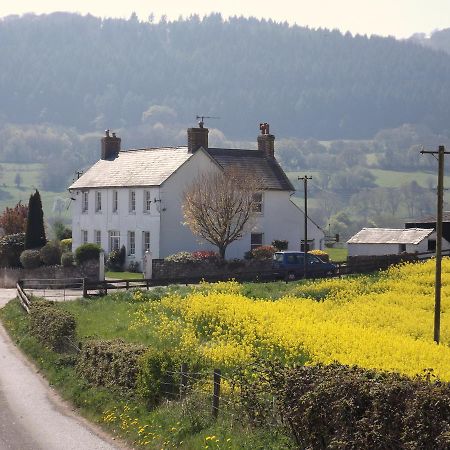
32, 416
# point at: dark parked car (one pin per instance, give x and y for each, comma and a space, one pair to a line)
290, 265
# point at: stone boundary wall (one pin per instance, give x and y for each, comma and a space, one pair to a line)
367, 263
164, 270
10, 275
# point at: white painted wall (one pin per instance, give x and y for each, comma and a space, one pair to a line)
281, 219
176, 237
122, 220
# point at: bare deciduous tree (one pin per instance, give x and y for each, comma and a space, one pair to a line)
218, 206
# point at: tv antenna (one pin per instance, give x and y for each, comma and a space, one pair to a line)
202, 119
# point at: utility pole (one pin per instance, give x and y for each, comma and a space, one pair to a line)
305, 245
440, 206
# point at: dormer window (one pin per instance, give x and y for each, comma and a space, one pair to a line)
257, 206
85, 202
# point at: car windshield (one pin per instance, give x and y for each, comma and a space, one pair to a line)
278, 257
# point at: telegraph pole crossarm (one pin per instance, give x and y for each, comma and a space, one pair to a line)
440, 207
305, 245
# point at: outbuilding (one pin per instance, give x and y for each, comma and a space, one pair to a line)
393, 241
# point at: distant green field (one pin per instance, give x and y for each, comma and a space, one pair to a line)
30, 174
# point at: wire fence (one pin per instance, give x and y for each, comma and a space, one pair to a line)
211, 395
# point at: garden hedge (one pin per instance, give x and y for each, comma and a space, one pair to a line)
110, 363
54, 327
339, 407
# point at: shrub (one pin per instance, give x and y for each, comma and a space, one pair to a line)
347, 407
133, 267
87, 252
181, 257
110, 363
54, 327
30, 259
66, 245
67, 259
116, 259
51, 253
263, 252
280, 245
207, 255
11, 247
248, 255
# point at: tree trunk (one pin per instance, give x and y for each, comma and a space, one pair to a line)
222, 251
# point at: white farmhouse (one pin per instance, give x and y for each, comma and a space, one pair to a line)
392, 241
133, 198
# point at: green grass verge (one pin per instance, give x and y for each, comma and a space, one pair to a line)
337, 254
124, 275
174, 425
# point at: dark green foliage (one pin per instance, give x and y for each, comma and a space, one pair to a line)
316, 82
116, 259
153, 378
61, 231
54, 327
35, 232
30, 259
343, 407
67, 259
280, 244
11, 247
87, 252
110, 363
51, 253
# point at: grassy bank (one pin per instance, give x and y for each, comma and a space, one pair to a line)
184, 425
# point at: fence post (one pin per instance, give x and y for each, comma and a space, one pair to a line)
216, 393
127, 285
84, 288
184, 379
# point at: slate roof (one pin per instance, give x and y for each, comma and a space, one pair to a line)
255, 162
152, 166
390, 236
142, 167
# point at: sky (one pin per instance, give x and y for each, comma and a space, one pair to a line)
399, 18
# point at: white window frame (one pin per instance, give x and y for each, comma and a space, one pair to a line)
258, 203
98, 237
114, 240
131, 243
84, 236
253, 244
115, 201
98, 201
84, 201
132, 202
147, 202
145, 242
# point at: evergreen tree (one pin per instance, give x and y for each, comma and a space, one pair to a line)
35, 233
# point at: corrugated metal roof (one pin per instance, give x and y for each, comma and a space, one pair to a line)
255, 162
142, 167
390, 236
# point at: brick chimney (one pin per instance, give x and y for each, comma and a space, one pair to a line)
266, 141
110, 146
197, 137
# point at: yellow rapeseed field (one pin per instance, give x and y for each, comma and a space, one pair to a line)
384, 323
